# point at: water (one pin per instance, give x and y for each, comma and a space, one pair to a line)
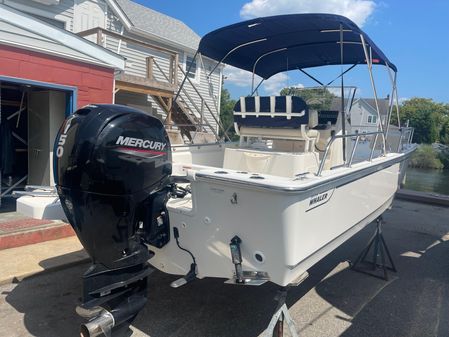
427, 180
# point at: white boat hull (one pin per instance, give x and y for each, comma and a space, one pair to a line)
286, 225
290, 230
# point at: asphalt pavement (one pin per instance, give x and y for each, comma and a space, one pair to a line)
333, 301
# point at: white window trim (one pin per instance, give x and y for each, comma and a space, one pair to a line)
197, 79
372, 119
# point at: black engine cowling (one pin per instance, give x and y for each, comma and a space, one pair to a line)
112, 169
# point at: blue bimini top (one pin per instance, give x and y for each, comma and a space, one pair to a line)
280, 43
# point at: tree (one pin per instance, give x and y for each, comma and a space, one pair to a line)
316, 98
226, 116
426, 116
444, 132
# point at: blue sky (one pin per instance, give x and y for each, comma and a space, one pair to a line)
413, 34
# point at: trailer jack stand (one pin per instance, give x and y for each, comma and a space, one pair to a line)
380, 249
281, 316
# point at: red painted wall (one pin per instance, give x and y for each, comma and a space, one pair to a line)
94, 83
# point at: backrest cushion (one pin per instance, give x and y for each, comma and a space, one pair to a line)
271, 112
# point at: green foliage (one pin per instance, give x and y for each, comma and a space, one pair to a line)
316, 98
226, 116
443, 156
427, 117
444, 132
426, 157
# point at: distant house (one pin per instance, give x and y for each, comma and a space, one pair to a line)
364, 114
158, 50
58, 55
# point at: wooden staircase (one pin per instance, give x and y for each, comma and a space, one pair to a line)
189, 113
180, 114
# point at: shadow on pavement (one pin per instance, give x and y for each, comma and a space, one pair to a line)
8, 204
412, 303
202, 308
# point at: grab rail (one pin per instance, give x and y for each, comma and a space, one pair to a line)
350, 135
406, 131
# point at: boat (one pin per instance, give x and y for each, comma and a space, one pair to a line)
263, 209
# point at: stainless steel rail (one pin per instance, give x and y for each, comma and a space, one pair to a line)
406, 133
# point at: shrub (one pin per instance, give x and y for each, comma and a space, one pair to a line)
426, 157
443, 156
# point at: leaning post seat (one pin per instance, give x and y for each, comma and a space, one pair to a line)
276, 117
287, 121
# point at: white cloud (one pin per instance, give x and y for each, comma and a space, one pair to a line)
275, 83
239, 77
334, 90
243, 78
356, 10
349, 91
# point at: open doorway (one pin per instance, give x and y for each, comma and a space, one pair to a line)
30, 117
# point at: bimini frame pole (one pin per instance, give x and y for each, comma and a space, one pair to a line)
393, 80
343, 112
391, 101
257, 87
257, 61
311, 77
369, 63
390, 109
233, 50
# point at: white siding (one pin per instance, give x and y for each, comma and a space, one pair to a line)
113, 23
23, 38
210, 92
61, 12
136, 56
359, 118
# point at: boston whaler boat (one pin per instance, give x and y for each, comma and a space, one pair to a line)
266, 209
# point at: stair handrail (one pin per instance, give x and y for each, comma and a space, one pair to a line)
205, 103
198, 122
191, 101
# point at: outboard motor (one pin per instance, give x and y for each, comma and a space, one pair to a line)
112, 171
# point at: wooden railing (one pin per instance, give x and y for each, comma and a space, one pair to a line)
173, 56
159, 82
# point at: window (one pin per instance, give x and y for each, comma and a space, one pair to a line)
372, 119
193, 73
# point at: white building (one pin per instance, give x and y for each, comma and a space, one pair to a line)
364, 114
158, 51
